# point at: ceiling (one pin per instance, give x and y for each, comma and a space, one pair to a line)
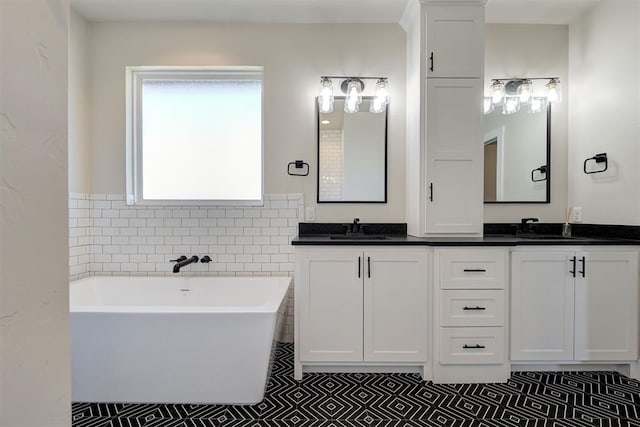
314, 11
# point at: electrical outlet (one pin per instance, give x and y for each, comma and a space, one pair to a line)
576, 215
310, 214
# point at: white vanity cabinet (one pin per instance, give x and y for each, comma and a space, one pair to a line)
360, 304
445, 61
470, 322
578, 305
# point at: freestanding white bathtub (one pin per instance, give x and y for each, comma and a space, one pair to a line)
174, 339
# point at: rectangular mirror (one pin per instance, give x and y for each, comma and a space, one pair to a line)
352, 155
517, 156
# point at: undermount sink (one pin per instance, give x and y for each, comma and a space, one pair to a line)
358, 237
544, 237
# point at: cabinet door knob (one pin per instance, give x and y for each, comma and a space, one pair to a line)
431, 192
473, 346
431, 62
369, 267
473, 308
474, 270
359, 259
583, 261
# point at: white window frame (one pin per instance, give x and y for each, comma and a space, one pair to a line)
133, 86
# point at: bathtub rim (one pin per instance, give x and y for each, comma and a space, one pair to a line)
282, 283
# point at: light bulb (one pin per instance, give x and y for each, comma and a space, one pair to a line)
536, 105
497, 92
511, 105
553, 91
381, 98
524, 91
352, 103
325, 98
487, 105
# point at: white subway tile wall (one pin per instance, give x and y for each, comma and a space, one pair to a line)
109, 238
79, 235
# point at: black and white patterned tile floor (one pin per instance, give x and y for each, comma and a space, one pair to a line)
396, 400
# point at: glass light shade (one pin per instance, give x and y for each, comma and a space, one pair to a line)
536, 104
553, 91
497, 92
511, 105
325, 98
525, 91
487, 105
381, 98
352, 103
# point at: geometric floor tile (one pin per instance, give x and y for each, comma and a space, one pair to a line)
535, 399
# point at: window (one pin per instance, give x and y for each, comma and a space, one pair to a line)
194, 135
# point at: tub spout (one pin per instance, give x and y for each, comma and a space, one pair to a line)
186, 261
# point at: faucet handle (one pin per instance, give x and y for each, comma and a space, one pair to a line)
179, 259
205, 258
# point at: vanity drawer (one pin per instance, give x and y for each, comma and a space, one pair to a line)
479, 269
472, 308
471, 346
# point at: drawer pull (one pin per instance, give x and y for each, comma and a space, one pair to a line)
473, 346
474, 270
473, 308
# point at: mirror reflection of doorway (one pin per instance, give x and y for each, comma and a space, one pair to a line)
490, 169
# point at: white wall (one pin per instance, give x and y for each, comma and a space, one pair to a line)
533, 51
294, 58
34, 311
79, 143
604, 117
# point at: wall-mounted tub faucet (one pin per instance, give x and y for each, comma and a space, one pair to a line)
182, 261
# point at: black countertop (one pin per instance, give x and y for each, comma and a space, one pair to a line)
395, 235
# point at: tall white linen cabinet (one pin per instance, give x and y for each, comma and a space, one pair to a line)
445, 67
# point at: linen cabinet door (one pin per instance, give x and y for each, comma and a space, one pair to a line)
606, 306
454, 199
542, 296
455, 41
330, 305
395, 306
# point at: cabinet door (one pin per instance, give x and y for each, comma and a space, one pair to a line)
330, 305
606, 306
455, 41
542, 306
454, 156
395, 306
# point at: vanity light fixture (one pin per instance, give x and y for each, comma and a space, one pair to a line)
525, 91
354, 95
325, 98
353, 88
381, 98
553, 90
497, 92
514, 92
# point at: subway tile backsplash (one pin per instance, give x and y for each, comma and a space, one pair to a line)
109, 238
